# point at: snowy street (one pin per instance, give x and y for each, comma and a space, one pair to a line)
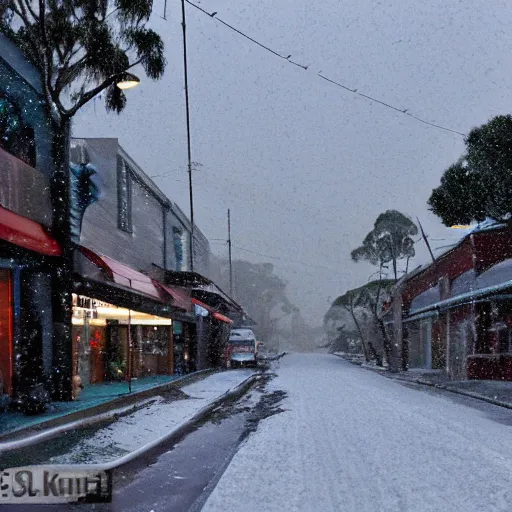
321, 435
352, 440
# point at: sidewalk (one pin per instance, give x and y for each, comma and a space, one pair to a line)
493, 391
126, 437
95, 398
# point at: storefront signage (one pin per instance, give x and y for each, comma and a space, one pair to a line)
200, 311
40, 484
82, 302
177, 328
84, 192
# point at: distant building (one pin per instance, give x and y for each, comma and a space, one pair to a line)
455, 314
134, 287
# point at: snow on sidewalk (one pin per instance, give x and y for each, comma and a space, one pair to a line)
351, 440
152, 421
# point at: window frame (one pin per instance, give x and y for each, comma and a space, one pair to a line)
124, 221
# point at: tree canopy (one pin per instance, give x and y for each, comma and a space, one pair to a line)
479, 185
83, 47
389, 241
260, 290
363, 304
367, 295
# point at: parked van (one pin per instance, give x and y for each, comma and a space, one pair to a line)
241, 348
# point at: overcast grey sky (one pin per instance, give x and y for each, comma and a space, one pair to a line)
305, 166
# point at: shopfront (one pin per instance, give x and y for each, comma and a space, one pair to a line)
116, 343
27, 255
184, 358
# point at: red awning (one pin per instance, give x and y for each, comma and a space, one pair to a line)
203, 305
222, 318
122, 274
26, 233
215, 314
180, 298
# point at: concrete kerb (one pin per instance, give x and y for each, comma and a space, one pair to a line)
175, 433
423, 382
63, 423
55, 431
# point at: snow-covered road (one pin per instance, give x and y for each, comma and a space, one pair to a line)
351, 440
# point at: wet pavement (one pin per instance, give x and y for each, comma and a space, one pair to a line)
179, 476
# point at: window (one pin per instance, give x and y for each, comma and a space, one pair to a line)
178, 248
500, 330
155, 340
15, 136
124, 195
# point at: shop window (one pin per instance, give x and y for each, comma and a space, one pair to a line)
178, 247
124, 195
16, 137
499, 333
155, 340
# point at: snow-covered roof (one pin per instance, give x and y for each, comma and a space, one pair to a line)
430, 296
464, 283
496, 274
486, 225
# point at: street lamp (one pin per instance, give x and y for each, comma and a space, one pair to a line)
127, 81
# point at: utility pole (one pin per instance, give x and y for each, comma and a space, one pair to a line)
189, 153
426, 241
230, 261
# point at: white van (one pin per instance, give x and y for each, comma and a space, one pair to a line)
241, 350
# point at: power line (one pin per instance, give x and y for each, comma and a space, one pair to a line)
215, 185
287, 58
285, 260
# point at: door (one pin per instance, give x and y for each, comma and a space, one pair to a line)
5, 332
427, 336
84, 366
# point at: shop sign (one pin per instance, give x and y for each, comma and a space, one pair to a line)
47, 484
83, 302
200, 311
177, 328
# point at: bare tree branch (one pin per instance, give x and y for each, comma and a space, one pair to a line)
30, 10
22, 13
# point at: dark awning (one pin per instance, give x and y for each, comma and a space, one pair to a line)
180, 298
26, 233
